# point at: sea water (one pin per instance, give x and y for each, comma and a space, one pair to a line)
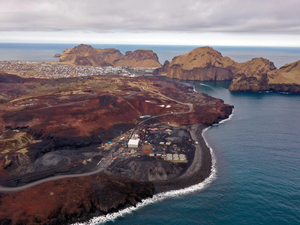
257, 154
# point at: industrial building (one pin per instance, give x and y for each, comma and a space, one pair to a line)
133, 143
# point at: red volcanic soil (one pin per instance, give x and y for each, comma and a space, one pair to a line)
77, 118
3, 173
9, 78
71, 200
82, 115
206, 109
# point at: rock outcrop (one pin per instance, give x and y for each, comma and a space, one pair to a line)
255, 67
286, 79
139, 58
86, 55
202, 64
287, 74
71, 200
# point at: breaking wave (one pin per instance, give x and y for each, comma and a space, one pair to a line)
207, 86
223, 121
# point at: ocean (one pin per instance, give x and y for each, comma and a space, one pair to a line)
257, 152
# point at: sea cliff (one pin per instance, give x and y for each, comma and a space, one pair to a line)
72, 200
285, 79
259, 74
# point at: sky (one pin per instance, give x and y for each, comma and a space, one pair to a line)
165, 22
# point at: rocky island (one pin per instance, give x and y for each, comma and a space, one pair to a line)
75, 148
259, 74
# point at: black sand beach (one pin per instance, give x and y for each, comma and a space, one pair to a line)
197, 172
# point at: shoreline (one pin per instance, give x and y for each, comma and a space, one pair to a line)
198, 171
182, 188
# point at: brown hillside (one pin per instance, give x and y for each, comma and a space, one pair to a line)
86, 55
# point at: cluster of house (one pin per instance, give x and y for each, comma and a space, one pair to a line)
54, 71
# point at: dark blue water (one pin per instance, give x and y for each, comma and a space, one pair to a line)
257, 151
258, 168
45, 52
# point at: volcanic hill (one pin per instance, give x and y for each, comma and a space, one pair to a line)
86, 55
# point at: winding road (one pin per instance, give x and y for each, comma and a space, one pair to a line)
165, 114
20, 188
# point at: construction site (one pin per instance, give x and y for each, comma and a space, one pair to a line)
157, 140
155, 151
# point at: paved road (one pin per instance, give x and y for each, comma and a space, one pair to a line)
64, 104
197, 161
182, 103
15, 189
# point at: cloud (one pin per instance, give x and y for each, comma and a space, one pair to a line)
105, 16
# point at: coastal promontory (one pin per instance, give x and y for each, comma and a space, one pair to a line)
259, 74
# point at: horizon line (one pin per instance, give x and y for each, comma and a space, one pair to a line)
156, 44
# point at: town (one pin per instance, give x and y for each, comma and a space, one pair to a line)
57, 70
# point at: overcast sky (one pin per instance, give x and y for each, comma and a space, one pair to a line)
188, 22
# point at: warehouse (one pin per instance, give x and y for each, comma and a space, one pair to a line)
133, 143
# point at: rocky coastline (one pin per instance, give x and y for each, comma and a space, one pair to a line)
72, 200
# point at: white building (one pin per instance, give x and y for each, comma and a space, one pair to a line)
133, 143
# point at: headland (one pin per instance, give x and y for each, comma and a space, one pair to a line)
110, 140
